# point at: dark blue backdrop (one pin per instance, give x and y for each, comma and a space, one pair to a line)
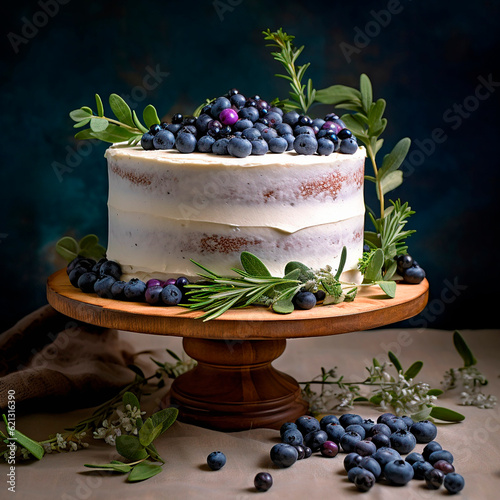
426, 58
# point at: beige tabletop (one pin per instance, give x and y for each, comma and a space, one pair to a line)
475, 442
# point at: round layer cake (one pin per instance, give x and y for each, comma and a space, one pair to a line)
166, 208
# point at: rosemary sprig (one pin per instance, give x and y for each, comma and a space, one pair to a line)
302, 96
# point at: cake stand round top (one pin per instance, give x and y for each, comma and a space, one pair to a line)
370, 309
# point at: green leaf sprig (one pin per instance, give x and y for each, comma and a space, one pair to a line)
33, 447
302, 96
126, 125
140, 449
68, 248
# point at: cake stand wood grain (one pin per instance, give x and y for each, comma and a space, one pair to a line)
234, 386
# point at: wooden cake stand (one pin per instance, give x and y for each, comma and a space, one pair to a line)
234, 386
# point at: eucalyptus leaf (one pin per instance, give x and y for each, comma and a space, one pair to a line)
389, 287
96, 252
395, 158
100, 107
373, 238
149, 432
67, 248
88, 241
123, 468
395, 361
85, 134
422, 414
121, 110
284, 306
150, 116
35, 448
253, 265
98, 124
82, 123
79, 115
463, 349
376, 400
129, 446
446, 414
366, 92
113, 133
374, 269
305, 272
413, 370
337, 95
142, 471
390, 182
390, 269
435, 392
138, 123
165, 417
153, 453
376, 112
129, 398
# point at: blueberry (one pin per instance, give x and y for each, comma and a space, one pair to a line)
364, 480
404, 261
348, 146
74, 263
315, 439
228, 116
251, 134
305, 144
318, 122
232, 92
414, 457
290, 138
239, 147
242, 125
381, 440
263, 481
307, 424
328, 419
75, 274
117, 290
154, 129
454, 482
259, 147
283, 129
372, 465
153, 295
398, 472
164, 140
408, 421
301, 450
329, 449
185, 142
320, 295
420, 468
103, 287
385, 455
414, 275
429, 448
219, 105
251, 114
134, 290
110, 268
286, 426
403, 441
433, 479
356, 428
345, 133
260, 126
264, 108
181, 282
396, 424
382, 418
325, 147
205, 144
268, 134
278, 145
444, 466
331, 116
334, 431
283, 455
86, 282
348, 441
219, 147
424, 431
147, 141
238, 100
216, 460
263, 121
353, 472
307, 452
291, 118
304, 300
380, 429
251, 103
300, 130
177, 118
348, 419
171, 295
352, 460
440, 455
174, 128
365, 448
274, 118
202, 124
226, 131
293, 437
96, 268
304, 120
367, 425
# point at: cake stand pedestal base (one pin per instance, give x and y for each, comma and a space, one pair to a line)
235, 387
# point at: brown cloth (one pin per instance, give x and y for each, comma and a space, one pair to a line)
54, 362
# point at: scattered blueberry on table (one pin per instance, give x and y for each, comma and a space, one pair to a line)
216, 460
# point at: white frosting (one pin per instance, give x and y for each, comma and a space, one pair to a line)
166, 208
